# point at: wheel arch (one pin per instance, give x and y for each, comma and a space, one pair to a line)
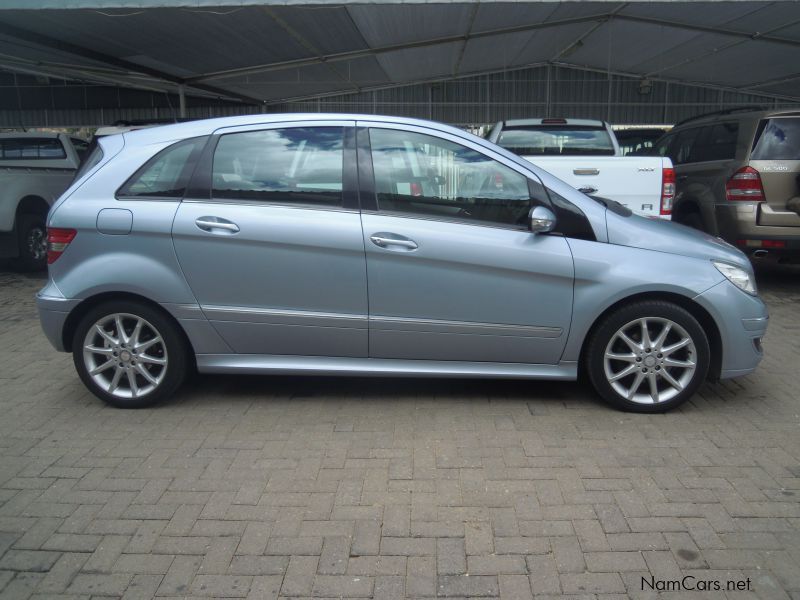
703, 317
77, 313
32, 204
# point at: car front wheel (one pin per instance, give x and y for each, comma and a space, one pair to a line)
648, 357
129, 354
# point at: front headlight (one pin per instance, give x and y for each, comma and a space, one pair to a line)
737, 276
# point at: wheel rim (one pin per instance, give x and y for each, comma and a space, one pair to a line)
125, 355
36, 242
650, 360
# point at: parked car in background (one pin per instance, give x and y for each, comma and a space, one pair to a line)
345, 244
637, 141
738, 177
586, 154
34, 169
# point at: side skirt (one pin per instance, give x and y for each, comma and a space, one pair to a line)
323, 365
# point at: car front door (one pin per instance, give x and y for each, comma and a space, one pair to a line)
269, 238
453, 272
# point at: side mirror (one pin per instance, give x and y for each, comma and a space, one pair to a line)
541, 220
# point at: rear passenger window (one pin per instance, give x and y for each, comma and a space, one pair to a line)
436, 178
681, 149
167, 173
717, 143
299, 165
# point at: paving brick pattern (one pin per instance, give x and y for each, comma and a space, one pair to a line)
330, 488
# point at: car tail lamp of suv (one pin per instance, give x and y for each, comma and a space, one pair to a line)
745, 185
57, 241
667, 190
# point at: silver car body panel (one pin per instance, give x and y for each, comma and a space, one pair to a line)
323, 365
302, 290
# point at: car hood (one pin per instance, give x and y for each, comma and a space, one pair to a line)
666, 236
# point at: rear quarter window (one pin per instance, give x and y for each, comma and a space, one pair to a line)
167, 173
779, 140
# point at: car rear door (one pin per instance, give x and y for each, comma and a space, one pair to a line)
269, 239
453, 272
776, 156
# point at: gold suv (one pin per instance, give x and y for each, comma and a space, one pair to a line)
738, 177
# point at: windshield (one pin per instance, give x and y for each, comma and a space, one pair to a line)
563, 140
780, 140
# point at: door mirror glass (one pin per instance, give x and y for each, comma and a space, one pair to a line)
541, 220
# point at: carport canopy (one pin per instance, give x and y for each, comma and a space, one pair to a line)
266, 51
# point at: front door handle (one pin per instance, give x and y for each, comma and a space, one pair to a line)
385, 240
587, 190
211, 223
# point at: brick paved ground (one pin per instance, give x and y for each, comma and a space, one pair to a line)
267, 487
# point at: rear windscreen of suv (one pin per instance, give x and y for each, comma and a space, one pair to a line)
779, 140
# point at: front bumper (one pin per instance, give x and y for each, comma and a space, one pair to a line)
53, 312
742, 321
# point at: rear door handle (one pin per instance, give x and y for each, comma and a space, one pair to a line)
587, 190
211, 223
385, 240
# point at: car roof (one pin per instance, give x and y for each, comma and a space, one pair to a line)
743, 114
177, 131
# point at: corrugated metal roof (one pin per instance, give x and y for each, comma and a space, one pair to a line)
275, 50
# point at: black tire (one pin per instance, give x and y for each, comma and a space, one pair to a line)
693, 220
173, 348
624, 317
31, 243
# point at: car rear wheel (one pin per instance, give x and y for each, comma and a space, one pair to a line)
129, 355
648, 357
32, 243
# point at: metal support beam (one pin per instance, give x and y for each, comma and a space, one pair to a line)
715, 30
365, 52
182, 101
87, 53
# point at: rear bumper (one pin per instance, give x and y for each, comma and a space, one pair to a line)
738, 225
53, 312
742, 321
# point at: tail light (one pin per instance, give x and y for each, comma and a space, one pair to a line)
667, 190
416, 189
57, 241
745, 185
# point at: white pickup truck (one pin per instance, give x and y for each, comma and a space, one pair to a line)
35, 168
586, 155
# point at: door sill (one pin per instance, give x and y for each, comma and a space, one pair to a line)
324, 365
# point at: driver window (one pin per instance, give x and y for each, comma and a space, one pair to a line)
429, 176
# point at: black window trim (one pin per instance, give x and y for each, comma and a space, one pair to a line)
200, 188
189, 169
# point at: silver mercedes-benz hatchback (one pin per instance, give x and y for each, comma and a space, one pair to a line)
364, 245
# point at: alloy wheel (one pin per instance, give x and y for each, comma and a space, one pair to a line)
650, 360
125, 355
36, 243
